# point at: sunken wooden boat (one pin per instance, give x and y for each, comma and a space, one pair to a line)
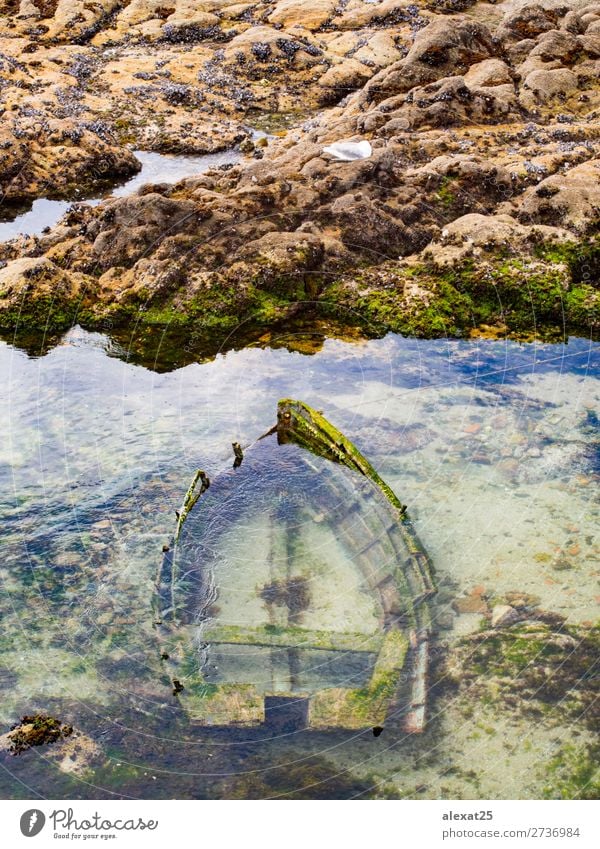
296, 592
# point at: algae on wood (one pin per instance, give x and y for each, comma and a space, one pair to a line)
298, 587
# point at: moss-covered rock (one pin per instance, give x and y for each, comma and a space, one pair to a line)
520, 294
574, 773
36, 730
37, 294
410, 300
536, 667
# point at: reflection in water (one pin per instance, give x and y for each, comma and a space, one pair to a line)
167, 348
493, 446
44, 212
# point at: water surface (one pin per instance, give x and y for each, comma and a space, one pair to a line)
492, 444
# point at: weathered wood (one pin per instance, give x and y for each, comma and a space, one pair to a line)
191, 498
295, 488
414, 720
301, 638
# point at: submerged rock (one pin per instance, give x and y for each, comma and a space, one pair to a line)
531, 661
503, 614
35, 730
69, 748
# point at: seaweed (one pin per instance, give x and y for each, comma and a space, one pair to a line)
36, 730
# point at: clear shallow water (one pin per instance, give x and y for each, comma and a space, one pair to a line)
156, 168
493, 446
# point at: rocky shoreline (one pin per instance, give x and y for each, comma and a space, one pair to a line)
476, 212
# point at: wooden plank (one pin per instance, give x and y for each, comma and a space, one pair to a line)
368, 706
301, 638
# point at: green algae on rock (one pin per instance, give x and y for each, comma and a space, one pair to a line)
297, 592
35, 730
538, 665
475, 207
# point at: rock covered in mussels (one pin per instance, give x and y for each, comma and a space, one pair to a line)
486, 115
